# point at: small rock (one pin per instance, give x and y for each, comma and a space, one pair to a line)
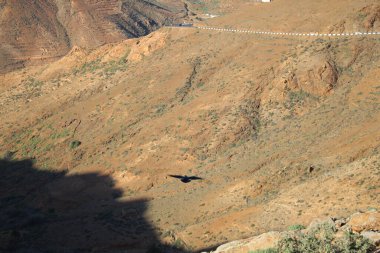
8, 155
340, 222
340, 234
346, 228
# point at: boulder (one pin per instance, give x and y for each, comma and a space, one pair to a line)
365, 221
318, 222
372, 236
261, 242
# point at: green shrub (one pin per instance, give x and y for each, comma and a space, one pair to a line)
74, 144
32, 82
322, 239
178, 244
296, 227
355, 243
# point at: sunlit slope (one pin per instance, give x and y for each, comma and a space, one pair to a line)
33, 32
304, 16
281, 129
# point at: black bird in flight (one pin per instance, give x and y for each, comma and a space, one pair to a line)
186, 179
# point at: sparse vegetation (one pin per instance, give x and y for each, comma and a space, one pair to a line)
178, 244
88, 67
110, 68
160, 109
31, 146
208, 103
322, 239
299, 97
33, 83
62, 134
105, 69
74, 144
296, 227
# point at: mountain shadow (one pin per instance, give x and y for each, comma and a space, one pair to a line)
47, 211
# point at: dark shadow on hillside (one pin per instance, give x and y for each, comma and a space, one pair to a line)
47, 211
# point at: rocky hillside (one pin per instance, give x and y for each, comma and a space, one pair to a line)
36, 31
280, 130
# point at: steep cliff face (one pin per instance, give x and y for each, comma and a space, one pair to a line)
138, 18
34, 31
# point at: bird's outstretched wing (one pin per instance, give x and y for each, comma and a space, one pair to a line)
176, 176
195, 178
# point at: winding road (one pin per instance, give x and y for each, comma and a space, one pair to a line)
295, 34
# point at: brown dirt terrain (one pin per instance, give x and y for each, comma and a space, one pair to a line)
38, 31
281, 129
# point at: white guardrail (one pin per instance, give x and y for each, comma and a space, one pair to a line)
312, 34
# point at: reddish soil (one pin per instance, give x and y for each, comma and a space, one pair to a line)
282, 130
33, 32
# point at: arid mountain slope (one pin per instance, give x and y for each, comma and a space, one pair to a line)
33, 31
30, 31
285, 16
281, 129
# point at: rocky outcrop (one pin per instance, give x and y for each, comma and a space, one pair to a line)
366, 19
365, 224
365, 221
263, 241
315, 74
